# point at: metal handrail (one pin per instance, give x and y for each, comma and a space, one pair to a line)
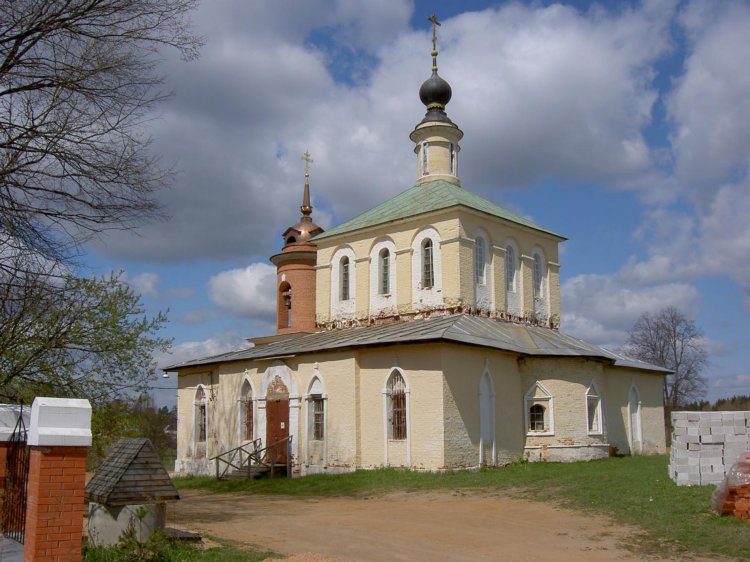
229, 459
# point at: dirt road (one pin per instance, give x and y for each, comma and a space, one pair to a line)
405, 526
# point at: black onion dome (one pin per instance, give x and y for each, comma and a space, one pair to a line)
435, 94
435, 91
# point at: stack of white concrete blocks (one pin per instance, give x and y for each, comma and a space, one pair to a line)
705, 445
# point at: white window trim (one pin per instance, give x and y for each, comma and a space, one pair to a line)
593, 392
433, 296
386, 423
492, 415
343, 309
241, 412
383, 303
529, 400
639, 429
311, 417
196, 404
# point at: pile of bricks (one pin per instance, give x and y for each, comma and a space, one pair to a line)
705, 445
737, 502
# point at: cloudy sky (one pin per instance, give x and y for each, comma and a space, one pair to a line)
623, 125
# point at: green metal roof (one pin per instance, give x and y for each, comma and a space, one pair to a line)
425, 198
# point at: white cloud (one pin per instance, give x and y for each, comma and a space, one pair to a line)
539, 91
249, 292
602, 309
214, 345
145, 283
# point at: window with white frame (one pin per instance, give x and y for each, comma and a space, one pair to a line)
318, 417
425, 149
594, 410
201, 415
428, 272
480, 260
246, 412
510, 269
397, 429
453, 160
384, 279
344, 278
539, 410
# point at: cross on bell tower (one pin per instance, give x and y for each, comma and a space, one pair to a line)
295, 268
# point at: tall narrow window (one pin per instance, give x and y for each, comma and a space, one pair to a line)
344, 279
425, 168
453, 159
510, 269
397, 391
385, 272
318, 421
428, 273
246, 405
288, 306
200, 416
479, 260
537, 276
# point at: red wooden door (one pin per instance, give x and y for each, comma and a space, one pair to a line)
277, 428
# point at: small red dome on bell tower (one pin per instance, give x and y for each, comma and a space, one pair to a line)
295, 269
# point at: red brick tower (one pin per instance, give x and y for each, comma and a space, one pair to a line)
295, 270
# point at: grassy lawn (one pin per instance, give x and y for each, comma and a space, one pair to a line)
631, 490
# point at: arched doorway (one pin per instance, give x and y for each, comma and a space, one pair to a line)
634, 411
486, 420
277, 421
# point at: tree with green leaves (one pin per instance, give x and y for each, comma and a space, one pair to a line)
79, 80
81, 337
670, 340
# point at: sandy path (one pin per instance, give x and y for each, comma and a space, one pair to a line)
404, 526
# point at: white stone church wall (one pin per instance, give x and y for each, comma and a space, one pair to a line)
705, 445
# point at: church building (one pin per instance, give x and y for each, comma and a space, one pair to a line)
422, 334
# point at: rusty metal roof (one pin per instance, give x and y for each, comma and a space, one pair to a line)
530, 341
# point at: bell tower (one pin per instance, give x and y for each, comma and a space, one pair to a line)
436, 137
295, 269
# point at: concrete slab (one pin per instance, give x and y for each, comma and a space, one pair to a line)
10, 551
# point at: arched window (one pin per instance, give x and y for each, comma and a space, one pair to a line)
397, 407
316, 410
510, 269
536, 418
201, 416
385, 272
425, 168
246, 412
453, 160
344, 278
480, 260
538, 277
539, 404
428, 272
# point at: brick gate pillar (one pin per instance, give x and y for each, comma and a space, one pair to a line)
59, 436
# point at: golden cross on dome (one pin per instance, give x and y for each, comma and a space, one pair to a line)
308, 160
435, 22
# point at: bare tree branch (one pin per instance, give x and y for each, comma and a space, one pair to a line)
670, 340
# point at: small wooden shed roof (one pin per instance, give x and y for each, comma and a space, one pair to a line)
131, 474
